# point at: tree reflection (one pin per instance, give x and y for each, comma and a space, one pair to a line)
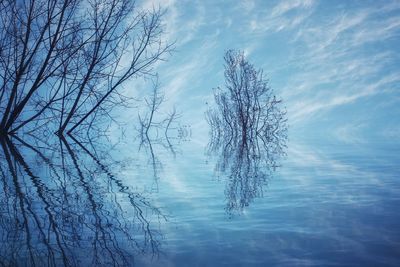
248, 164
248, 131
70, 209
164, 145
154, 132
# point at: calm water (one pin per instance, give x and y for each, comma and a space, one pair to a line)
82, 204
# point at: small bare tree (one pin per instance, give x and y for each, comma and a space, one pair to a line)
248, 131
247, 107
148, 120
62, 60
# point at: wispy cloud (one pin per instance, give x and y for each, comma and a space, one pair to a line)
319, 55
305, 109
351, 133
284, 15
334, 67
287, 6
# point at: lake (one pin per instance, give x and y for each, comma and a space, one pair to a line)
67, 202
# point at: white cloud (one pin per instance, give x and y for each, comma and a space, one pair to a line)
305, 109
285, 6
326, 64
284, 15
247, 6
350, 133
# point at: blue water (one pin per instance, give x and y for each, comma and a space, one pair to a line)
328, 204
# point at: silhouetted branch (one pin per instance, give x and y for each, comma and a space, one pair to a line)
67, 60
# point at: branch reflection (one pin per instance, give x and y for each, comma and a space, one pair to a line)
248, 164
157, 146
157, 134
62, 206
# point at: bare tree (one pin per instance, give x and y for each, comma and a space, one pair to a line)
156, 131
63, 60
148, 120
247, 107
248, 131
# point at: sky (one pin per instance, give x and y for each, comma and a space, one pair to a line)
335, 64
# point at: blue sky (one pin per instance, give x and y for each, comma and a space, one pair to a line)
336, 64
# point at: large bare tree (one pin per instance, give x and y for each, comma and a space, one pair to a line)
64, 61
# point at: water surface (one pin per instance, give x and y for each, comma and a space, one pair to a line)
66, 202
